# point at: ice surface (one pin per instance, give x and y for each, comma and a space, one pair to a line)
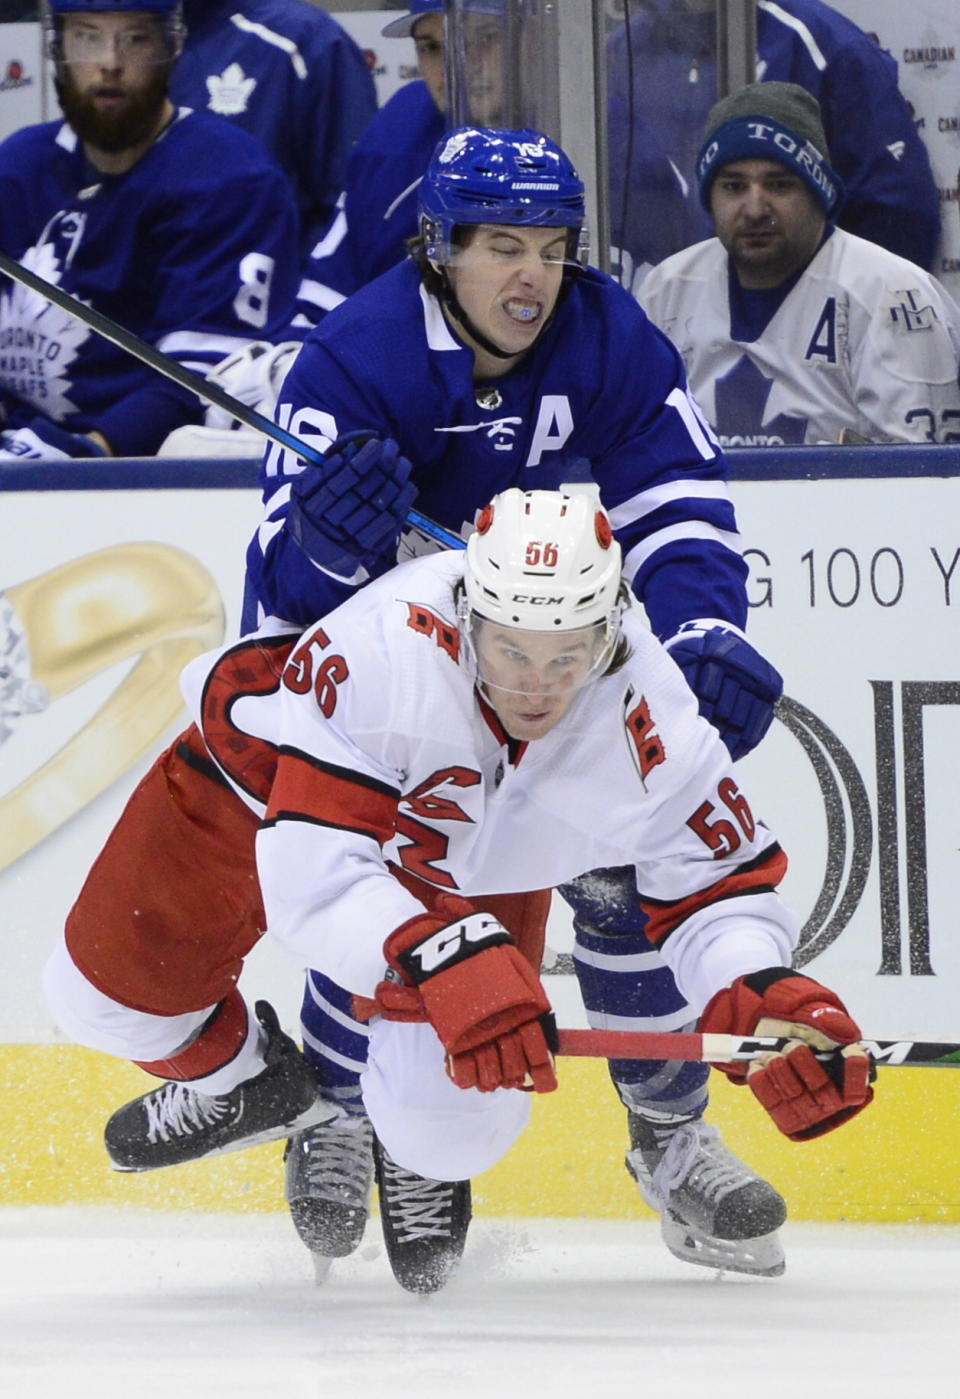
115, 1304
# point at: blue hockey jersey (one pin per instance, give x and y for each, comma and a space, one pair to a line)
601, 394
377, 210
194, 250
874, 146
286, 71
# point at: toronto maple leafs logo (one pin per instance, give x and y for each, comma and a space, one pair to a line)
740, 408
455, 144
230, 91
39, 341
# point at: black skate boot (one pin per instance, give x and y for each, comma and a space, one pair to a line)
714, 1211
329, 1177
424, 1223
175, 1123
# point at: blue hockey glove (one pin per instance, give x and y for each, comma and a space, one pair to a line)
44, 440
736, 687
349, 512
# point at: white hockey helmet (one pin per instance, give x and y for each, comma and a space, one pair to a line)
544, 561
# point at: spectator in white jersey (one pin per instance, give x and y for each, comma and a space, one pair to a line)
791, 329
290, 74
166, 220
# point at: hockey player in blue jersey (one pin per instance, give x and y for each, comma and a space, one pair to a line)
491, 357
166, 220
290, 74
662, 81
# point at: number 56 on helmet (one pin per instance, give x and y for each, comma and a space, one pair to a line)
544, 561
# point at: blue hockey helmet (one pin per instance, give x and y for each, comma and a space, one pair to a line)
491, 175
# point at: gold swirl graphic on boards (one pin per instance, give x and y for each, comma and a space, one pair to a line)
62, 628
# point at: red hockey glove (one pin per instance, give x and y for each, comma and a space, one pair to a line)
460, 971
804, 1095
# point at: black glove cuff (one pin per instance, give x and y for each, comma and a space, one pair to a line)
548, 1023
760, 982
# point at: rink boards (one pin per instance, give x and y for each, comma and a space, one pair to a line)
855, 591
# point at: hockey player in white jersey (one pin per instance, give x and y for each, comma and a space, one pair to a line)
469, 727
494, 357
462, 372
792, 330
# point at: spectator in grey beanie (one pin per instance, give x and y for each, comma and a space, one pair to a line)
770, 121
793, 330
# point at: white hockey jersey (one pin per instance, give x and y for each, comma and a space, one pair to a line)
864, 341
363, 743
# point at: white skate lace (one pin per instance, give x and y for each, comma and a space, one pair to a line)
420, 1207
338, 1162
697, 1144
177, 1111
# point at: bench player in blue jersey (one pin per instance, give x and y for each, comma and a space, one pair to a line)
166, 220
290, 74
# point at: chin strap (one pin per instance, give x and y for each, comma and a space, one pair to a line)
460, 316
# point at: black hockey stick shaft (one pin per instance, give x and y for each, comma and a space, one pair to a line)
209, 393
736, 1049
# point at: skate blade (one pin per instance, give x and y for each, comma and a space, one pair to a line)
321, 1268
318, 1112
762, 1257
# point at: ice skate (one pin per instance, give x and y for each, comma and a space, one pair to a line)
329, 1178
714, 1211
175, 1123
424, 1223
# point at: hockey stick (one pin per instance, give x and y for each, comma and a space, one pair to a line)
209, 393
733, 1049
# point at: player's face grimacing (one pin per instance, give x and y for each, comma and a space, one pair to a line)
507, 280
530, 678
767, 219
